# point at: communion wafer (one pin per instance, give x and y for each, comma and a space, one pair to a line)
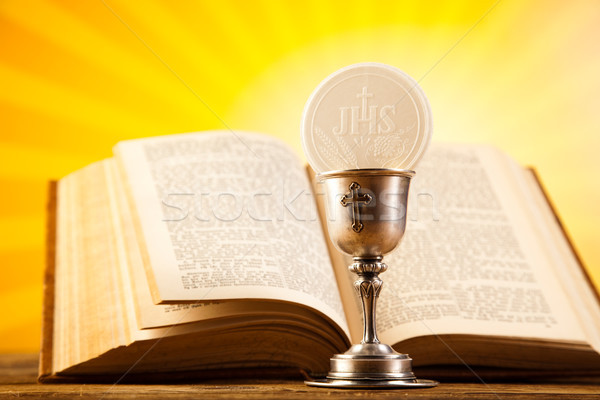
366, 115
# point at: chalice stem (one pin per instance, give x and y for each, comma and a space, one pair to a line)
368, 285
368, 306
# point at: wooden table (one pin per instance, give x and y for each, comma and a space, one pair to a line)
18, 379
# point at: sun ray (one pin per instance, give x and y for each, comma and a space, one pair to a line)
23, 197
283, 24
235, 24
21, 233
27, 163
84, 76
47, 97
183, 50
23, 333
48, 131
128, 59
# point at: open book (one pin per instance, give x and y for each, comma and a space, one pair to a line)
189, 254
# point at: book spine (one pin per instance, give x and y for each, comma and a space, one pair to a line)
46, 353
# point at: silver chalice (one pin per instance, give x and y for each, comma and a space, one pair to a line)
366, 218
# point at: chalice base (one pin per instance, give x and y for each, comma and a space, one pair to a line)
371, 366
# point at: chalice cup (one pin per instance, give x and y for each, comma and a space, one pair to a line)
366, 218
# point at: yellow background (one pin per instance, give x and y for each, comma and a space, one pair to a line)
77, 76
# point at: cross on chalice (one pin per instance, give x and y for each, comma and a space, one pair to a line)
355, 200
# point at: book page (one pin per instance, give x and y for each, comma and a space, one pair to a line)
471, 261
227, 216
161, 320
90, 316
568, 268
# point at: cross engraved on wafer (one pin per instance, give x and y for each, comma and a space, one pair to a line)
356, 200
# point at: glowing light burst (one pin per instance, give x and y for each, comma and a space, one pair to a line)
76, 78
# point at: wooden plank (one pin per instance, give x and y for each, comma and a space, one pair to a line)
18, 377
296, 390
